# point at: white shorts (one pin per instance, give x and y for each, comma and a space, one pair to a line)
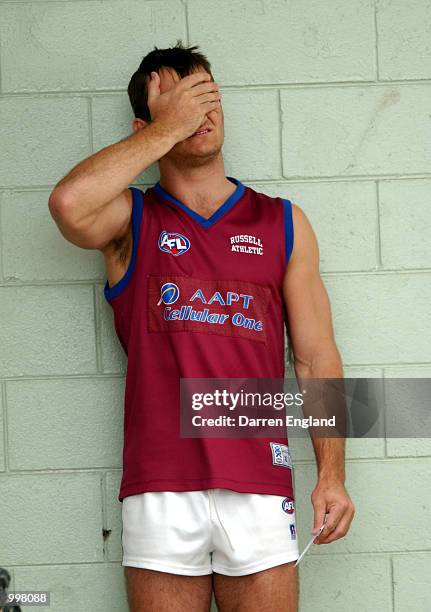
198, 532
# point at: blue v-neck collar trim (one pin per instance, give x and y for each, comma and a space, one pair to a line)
222, 210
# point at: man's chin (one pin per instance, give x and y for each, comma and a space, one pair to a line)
199, 152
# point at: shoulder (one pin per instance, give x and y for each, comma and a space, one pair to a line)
301, 220
305, 246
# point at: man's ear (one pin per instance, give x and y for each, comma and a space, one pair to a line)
138, 124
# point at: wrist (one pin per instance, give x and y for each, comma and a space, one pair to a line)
332, 474
164, 132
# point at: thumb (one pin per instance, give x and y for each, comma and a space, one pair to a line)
153, 85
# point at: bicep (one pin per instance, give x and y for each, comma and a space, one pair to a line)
307, 303
100, 227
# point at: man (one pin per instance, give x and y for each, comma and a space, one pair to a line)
200, 268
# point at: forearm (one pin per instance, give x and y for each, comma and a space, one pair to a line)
330, 458
325, 363
329, 451
101, 177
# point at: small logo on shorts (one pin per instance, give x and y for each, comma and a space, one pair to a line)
281, 455
288, 505
292, 531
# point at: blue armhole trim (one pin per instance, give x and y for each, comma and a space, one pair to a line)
288, 228
137, 210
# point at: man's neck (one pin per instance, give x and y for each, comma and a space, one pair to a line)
202, 189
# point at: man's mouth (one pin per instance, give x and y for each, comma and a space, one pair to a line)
201, 132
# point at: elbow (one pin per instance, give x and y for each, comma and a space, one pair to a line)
56, 203
60, 205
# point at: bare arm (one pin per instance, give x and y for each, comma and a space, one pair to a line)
316, 356
92, 204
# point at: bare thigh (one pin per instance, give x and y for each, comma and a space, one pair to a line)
276, 588
152, 591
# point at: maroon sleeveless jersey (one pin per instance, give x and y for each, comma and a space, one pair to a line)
201, 298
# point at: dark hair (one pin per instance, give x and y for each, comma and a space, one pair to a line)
182, 59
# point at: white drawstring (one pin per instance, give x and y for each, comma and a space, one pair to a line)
212, 493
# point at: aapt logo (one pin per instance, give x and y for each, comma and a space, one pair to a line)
173, 243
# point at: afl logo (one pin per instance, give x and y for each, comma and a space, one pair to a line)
288, 505
169, 293
175, 244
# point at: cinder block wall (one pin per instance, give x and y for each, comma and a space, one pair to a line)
327, 103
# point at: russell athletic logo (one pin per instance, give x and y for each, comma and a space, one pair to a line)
243, 243
169, 293
288, 505
173, 243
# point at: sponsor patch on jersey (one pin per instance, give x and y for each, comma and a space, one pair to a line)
228, 308
288, 505
173, 243
292, 531
281, 455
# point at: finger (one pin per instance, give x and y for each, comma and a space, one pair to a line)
209, 106
340, 531
319, 516
209, 97
217, 108
333, 518
203, 88
193, 79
